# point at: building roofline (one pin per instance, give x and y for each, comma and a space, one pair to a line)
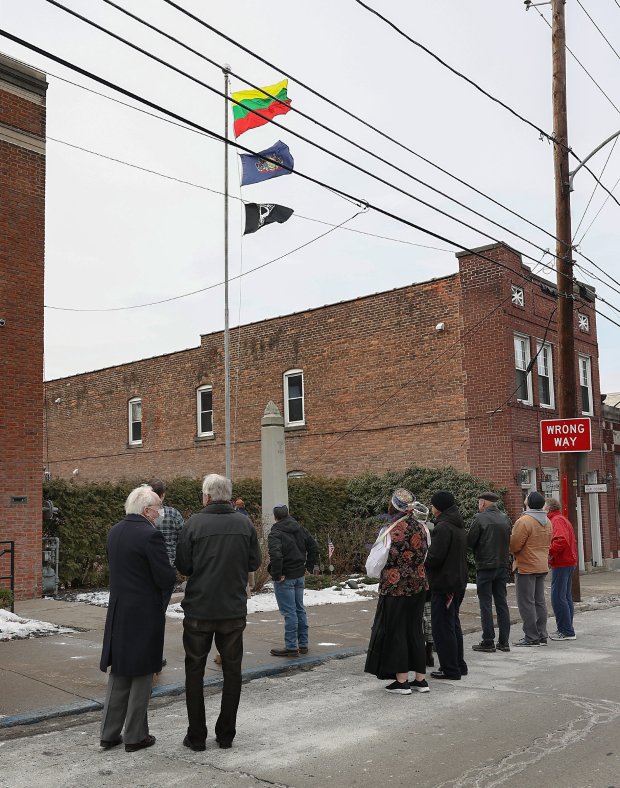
22, 76
487, 248
338, 303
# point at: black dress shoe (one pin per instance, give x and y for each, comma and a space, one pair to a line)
284, 652
195, 747
148, 741
224, 745
107, 745
439, 674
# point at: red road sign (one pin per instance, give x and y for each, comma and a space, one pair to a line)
560, 435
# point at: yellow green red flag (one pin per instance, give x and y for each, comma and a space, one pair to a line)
270, 101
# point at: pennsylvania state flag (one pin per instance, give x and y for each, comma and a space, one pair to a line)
257, 216
256, 168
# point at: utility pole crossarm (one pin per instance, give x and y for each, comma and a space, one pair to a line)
589, 156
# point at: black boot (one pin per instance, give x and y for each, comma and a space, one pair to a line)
430, 662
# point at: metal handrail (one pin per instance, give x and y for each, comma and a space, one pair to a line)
10, 577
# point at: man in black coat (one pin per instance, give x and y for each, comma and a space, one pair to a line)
141, 580
217, 550
489, 539
292, 551
446, 570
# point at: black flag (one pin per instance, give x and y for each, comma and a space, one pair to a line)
257, 216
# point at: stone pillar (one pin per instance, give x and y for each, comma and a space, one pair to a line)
273, 463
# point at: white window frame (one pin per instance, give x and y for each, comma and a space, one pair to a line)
587, 383
199, 412
517, 295
526, 341
130, 421
584, 322
540, 349
291, 373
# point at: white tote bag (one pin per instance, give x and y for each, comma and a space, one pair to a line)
378, 555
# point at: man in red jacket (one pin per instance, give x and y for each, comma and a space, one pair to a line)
562, 560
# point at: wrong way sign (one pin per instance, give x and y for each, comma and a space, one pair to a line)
558, 435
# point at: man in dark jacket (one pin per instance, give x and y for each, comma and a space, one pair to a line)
217, 549
446, 570
292, 550
141, 580
489, 539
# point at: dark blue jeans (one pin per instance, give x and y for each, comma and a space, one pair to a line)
491, 585
290, 598
447, 634
562, 598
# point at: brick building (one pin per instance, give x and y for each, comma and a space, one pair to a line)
22, 222
433, 373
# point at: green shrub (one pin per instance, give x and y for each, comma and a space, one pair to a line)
344, 511
6, 598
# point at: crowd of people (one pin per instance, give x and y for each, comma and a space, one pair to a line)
421, 587
422, 566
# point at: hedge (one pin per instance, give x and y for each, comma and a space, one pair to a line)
344, 511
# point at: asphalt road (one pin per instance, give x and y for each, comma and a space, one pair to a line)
535, 717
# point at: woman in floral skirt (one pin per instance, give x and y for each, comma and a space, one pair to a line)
397, 642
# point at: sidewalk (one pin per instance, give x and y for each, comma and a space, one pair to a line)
53, 676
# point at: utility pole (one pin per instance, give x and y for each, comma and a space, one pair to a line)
226, 70
567, 383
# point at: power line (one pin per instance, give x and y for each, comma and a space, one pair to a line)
239, 146
455, 71
209, 287
611, 46
613, 188
232, 196
583, 215
347, 112
329, 152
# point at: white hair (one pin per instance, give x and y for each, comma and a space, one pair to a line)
140, 498
219, 488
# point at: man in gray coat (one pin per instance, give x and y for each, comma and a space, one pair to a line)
217, 550
141, 580
489, 539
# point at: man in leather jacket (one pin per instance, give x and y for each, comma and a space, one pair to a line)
489, 539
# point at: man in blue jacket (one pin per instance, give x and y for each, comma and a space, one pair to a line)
217, 550
141, 580
292, 551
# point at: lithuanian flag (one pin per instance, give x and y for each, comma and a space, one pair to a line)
258, 101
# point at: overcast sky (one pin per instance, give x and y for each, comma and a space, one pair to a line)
117, 236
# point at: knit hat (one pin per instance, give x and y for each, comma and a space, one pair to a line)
535, 500
402, 500
489, 496
280, 511
442, 500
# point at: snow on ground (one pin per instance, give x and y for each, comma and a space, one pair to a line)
265, 602
13, 627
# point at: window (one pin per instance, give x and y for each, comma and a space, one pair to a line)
585, 383
584, 322
135, 421
294, 398
545, 376
518, 298
523, 378
204, 410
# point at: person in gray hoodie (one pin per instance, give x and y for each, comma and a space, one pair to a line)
292, 551
529, 543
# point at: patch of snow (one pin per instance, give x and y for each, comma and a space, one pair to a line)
13, 627
328, 644
97, 598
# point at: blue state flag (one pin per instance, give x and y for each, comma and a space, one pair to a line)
256, 168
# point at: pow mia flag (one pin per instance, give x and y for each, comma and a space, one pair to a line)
257, 216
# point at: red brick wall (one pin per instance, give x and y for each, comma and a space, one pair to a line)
355, 356
22, 217
503, 433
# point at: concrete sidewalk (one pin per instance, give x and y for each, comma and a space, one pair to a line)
43, 678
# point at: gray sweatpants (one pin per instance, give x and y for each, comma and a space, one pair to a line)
532, 605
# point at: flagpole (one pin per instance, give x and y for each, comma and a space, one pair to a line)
226, 72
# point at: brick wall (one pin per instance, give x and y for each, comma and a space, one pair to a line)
22, 219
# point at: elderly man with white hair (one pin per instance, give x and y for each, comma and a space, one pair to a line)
141, 580
217, 550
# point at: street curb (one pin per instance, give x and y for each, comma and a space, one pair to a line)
170, 690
